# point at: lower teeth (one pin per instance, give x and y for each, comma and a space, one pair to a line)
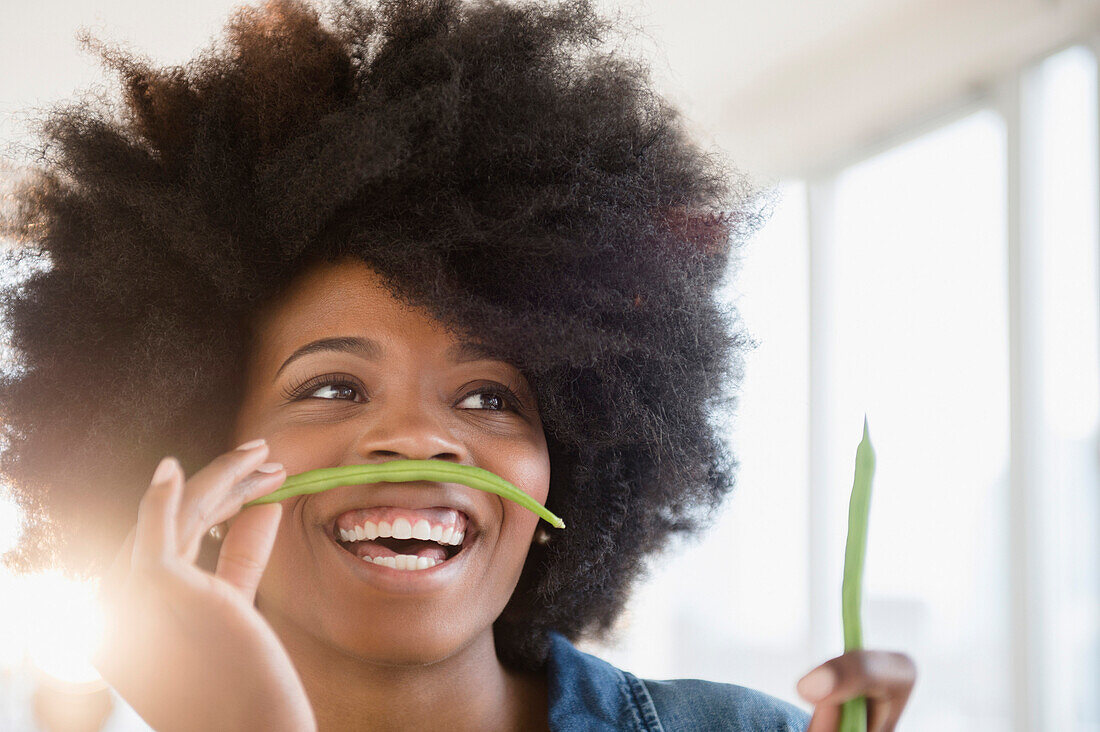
405, 562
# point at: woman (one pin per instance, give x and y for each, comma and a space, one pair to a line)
422, 230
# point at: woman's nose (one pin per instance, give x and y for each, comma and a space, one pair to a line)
406, 427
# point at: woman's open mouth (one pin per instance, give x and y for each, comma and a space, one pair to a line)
403, 538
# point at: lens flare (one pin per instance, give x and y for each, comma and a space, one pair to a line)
59, 625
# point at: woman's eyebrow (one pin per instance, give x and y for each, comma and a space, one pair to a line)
372, 350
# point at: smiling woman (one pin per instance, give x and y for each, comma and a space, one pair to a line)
412, 231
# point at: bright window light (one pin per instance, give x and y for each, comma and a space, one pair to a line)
63, 623
1066, 216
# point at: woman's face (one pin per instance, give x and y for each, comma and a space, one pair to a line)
408, 397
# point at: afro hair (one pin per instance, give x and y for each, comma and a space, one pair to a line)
499, 164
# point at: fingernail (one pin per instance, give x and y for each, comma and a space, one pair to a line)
270, 467
252, 444
164, 470
817, 684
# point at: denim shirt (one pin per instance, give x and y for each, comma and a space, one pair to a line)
589, 694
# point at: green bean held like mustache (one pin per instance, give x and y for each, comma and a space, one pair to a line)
402, 471
853, 713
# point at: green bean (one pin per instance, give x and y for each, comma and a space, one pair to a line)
401, 471
853, 713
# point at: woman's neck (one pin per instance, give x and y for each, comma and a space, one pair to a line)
470, 690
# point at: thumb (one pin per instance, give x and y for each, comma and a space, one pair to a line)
108, 600
247, 547
111, 581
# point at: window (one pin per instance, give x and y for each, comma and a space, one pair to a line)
1064, 487
947, 285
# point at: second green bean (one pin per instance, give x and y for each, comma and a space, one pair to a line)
853, 713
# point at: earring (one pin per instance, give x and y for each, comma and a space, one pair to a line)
217, 533
542, 536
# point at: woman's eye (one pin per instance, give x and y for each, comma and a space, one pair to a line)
491, 397
336, 388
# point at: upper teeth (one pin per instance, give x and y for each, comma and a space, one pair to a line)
402, 529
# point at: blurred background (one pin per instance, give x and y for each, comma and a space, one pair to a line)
932, 263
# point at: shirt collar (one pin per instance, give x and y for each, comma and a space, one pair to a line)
588, 693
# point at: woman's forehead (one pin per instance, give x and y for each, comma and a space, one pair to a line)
332, 300
346, 308
370, 349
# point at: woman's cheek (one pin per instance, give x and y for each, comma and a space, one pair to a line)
517, 532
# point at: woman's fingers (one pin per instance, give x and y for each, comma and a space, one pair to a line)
207, 487
884, 678
257, 484
155, 535
146, 560
218, 491
247, 547
882, 715
826, 718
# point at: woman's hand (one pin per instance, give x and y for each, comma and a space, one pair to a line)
185, 648
886, 678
